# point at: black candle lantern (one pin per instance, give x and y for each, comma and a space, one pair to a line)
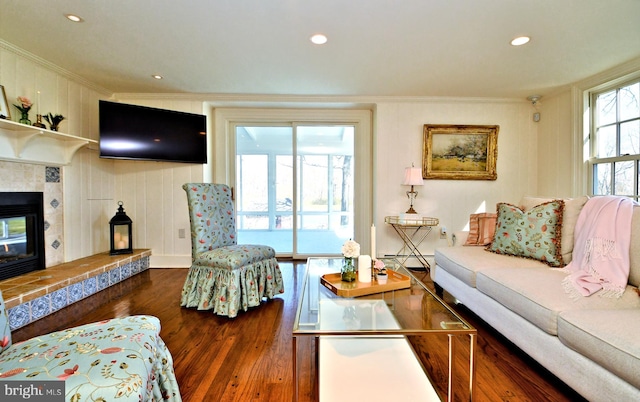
121, 234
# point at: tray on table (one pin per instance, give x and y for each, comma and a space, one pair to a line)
334, 283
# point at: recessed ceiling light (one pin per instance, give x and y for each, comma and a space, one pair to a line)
520, 40
157, 76
74, 18
319, 39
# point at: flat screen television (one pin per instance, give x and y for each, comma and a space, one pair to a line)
145, 133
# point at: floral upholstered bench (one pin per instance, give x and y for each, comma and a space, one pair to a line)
120, 359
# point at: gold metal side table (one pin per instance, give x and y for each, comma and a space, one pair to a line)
412, 231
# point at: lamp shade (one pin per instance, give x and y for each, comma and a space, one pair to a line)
412, 177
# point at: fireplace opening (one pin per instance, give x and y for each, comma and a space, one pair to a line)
21, 233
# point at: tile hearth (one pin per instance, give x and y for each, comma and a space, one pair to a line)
34, 295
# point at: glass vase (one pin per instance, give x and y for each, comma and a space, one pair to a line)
348, 271
24, 119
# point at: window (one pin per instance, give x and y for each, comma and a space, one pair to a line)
615, 149
295, 205
315, 200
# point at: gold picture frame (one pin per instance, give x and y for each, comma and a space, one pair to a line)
460, 152
4, 105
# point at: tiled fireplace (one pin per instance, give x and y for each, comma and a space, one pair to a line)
31, 296
21, 233
26, 177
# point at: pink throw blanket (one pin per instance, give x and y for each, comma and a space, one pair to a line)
601, 248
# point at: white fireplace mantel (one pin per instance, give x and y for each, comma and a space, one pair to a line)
22, 143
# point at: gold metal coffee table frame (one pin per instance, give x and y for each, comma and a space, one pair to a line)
416, 311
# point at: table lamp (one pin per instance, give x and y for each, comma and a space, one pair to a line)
412, 177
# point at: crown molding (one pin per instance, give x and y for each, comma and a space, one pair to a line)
53, 67
612, 76
304, 101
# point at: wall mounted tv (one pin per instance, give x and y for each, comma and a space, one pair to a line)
144, 133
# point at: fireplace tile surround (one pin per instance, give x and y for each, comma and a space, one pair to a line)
15, 176
34, 295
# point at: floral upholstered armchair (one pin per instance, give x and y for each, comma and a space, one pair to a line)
224, 276
122, 359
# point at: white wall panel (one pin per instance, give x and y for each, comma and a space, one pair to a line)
399, 143
154, 199
83, 220
555, 151
158, 205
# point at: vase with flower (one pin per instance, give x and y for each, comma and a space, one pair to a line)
350, 251
24, 106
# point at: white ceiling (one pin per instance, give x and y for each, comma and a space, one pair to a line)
376, 47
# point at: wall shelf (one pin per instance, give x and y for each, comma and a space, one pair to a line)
22, 143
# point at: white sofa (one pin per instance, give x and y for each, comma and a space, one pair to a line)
592, 344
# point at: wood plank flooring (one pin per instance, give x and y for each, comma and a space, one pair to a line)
249, 358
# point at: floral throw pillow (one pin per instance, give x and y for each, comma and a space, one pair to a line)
534, 234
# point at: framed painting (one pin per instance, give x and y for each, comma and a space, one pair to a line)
4, 105
460, 152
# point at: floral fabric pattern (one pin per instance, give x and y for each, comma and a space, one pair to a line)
224, 277
121, 359
534, 234
5, 330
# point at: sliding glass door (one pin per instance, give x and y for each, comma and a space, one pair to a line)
295, 186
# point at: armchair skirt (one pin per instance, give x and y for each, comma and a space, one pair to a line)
231, 278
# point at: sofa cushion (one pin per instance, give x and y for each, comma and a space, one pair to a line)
608, 337
482, 227
465, 262
572, 208
537, 295
532, 234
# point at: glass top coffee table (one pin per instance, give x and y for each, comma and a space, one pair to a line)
358, 337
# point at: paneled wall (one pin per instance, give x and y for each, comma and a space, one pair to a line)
86, 197
399, 143
557, 151
533, 158
152, 194
153, 197
564, 131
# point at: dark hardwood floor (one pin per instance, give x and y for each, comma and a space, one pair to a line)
249, 358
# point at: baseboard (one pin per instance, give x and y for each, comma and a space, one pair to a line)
170, 261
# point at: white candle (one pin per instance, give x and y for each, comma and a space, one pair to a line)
373, 241
116, 237
125, 240
120, 245
364, 268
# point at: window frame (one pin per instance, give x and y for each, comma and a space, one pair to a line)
222, 169
593, 159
